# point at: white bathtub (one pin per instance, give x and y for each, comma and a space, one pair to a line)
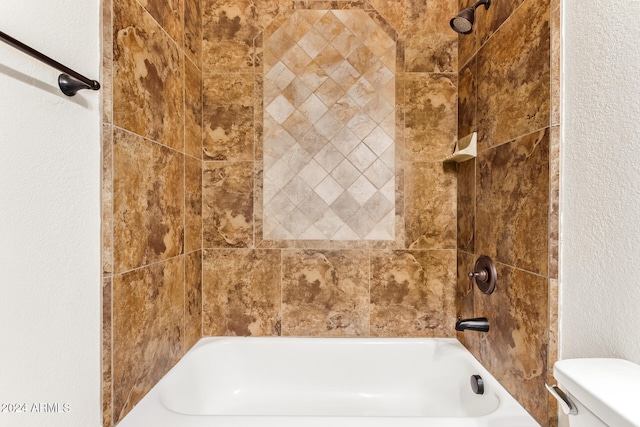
313, 382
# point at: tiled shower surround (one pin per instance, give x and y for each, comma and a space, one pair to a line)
335, 123
508, 196
195, 121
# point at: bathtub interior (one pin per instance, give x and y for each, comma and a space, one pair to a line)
328, 377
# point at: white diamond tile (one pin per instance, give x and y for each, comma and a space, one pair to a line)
313, 76
389, 124
345, 173
378, 173
297, 92
277, 141
378, 141
271, 92
313, 206
269, 224
362, 92
345, 141
378, 207
346, 233
389, 91
297, 25
282, 40
296, 222
345, 206
362, 190
296, 158
312, 16
329, 26
313, 42
379, 42
345, 108
313, 174
280, 75
389, 189
329, 124
279, 207
378, 75
312, 233
313, 108
385, 229
329, 157
280, 109
268, 190
362, 157
280, 233
329, 59
296, 190
346, 42
361, 124
361, 223
329, 92
269, 60
357, 21
345, 75
313, 142
297, 125
389, 59
378, 108
389, 157
279, 174
329, 223
329, 190
296, 59
362, 58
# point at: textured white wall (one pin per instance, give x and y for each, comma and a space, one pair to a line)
600, 184
49, 218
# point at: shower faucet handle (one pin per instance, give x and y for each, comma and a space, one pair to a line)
485, 275
479, 275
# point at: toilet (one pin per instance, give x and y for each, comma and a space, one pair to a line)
599, 392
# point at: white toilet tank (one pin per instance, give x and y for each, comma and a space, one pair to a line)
606, 392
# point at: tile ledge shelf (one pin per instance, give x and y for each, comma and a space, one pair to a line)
466, 148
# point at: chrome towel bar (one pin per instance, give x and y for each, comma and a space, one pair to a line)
70, 82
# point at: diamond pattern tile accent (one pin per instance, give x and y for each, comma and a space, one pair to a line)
329, 150
280, 109
378, 141
362, 157
329, 190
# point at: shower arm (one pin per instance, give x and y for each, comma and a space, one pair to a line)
70, 82
486, 4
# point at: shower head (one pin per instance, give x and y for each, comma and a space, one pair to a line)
463, 22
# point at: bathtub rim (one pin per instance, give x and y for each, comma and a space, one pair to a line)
509, 412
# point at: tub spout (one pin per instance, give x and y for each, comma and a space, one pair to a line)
480, 324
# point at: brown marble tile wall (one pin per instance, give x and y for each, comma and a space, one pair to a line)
148, 329
411, 293
242, 293
151, 194
325, 293
508, 196
255, 286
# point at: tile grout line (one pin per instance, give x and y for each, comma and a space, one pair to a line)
184, 196
112, 231
201, 154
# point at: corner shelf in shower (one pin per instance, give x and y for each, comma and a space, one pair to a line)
466, 148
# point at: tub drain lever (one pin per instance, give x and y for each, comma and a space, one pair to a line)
567, 405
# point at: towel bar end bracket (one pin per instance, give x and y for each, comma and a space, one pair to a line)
70, 86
